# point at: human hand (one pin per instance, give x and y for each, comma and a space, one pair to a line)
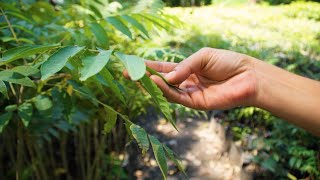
209, 79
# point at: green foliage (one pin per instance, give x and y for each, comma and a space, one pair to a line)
100, 34
136, 24
64, 87
25, 112
58, 60
141, 137
4, 120
173, 157
24, 51
134, 65
275, 2
92, 65
118, 24
3, 89
111, 119
185, 3
16, 78
158, 98
300, 10
159, 155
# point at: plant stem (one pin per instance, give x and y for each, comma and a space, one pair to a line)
10, 26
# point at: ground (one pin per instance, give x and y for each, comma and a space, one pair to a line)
202, 145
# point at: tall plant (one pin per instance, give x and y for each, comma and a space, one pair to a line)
60, 68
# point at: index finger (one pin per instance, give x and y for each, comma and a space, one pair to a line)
163, 67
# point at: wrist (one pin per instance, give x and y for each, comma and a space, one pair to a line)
252, 95
262, 82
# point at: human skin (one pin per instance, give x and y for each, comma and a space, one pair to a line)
220, 79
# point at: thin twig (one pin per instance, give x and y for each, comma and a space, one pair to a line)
10, 27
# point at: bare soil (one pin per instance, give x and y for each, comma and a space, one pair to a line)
202, 146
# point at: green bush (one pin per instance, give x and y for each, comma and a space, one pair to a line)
67, 112
275, 2
300, 10
185, 3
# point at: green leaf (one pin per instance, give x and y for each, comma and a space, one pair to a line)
134, 64
25, 51
159, 154
8, 38
3, 89
23, 28
173, 157
83, 90
42, 103
25, 112
4, 120
11, 108
25, 70
107, 76
94, 64
58, 60
16, 78
270, 164
141, 137
154, 20
18, 15
158, 98
153, 72
111, 119
118, 24
136, 24
54, 132
96, 11
100, 34
291, 177
11, 53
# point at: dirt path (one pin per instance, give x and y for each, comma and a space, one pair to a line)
202, 147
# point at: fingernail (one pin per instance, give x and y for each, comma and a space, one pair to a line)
170, 75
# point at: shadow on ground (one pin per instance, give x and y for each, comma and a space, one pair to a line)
202, 146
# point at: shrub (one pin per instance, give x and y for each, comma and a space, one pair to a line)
61, 86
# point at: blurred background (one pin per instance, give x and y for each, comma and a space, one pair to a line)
62, 137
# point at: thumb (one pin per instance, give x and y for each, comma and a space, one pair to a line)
192, 65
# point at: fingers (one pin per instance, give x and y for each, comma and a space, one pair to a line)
164, 67
193, 64
171, 94
126, 74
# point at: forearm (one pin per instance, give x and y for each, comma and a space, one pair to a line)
288, 96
